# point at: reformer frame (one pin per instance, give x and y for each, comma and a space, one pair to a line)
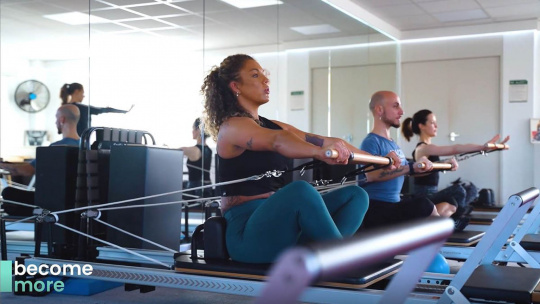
429, 232
514, 251
485, 254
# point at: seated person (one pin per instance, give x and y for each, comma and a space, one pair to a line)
198, 162
384, 187
265, 217
424, 124
67, 117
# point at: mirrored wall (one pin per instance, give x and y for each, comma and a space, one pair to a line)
151, 57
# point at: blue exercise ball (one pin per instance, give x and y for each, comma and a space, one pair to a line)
439, 265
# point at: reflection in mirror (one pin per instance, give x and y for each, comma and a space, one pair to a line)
343, 83
47, 41
152, 55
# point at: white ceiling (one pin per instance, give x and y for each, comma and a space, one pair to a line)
225, 26
408, 15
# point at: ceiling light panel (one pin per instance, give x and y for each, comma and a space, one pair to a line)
40, 8
125, 2
315, 29
76, 5
158, 10
76, 18
252, 3
209, 6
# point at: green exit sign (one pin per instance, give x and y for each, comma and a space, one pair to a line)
297, 93
518, 82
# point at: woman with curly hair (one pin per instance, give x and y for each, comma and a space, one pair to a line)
265, 216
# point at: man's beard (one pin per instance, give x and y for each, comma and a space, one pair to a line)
59, 130
390, 122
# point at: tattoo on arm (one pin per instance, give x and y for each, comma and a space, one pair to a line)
317, 141
392, 172
250, 143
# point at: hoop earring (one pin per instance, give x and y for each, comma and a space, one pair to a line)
237, 94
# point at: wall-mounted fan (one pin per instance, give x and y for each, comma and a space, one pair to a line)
32, 96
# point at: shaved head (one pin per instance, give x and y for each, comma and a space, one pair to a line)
70, 112
379, 98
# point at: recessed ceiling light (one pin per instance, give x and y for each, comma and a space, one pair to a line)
315, 29
76, 18
252, 3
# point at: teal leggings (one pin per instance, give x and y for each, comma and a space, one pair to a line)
259, 230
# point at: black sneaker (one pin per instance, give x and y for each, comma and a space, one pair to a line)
461, 223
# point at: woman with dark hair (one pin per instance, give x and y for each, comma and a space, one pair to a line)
74, 93
264, 217
424, 124
199, 161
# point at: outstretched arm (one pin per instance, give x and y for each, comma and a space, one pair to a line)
427, 150
406, 169
192, 153
238, 134
97, 110
319, 140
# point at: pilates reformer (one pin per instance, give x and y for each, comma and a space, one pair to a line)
522, 245
302, 267
154, 276
483, 256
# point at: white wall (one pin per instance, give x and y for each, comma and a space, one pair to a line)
519, 55
518, 62
298, 75
536, 94
518, 58
14, 121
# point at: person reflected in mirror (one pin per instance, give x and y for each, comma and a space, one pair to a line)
199, 162
384, 187
67, 117
265, 216
73, 93
424, 124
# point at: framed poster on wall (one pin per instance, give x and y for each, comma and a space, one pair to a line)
535, 130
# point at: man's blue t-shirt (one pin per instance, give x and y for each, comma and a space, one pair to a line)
387, 191
62, 142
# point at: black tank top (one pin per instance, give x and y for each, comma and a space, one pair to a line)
251, 163
194, 168
432, 179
